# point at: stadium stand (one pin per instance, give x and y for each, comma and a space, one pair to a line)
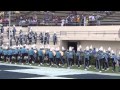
54, 18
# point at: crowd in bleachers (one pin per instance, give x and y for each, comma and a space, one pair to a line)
71, 19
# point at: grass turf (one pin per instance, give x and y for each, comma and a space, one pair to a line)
72, 67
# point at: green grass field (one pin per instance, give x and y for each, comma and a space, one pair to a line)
73, 67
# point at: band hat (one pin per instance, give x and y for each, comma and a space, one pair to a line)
87, 48
51, 49
57, 49
97, 50
101, 48
119, 53
104, 51
70, 48
109, 49
63, 48
78, 49
112, 52
80, 46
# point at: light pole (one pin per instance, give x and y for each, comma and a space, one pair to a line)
9, 25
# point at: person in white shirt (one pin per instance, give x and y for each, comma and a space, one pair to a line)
62, 22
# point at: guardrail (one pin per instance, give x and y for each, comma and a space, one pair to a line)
88, 32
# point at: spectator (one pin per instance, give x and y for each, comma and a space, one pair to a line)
62, 22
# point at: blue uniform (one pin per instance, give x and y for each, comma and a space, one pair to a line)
70, 56
31, 52
1, 51
40, 53
58, 55
23, 51
50, 54
5, 52
114, 61
51, 57
78, 55
16, 51
10, 52
79, 58
86, 58
87, 55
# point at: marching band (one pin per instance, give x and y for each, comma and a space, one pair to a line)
54, 56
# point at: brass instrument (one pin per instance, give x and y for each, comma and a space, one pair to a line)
54, 53
35, 51
62, 53
43, 51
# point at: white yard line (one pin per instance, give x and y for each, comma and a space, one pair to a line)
51, 71
47, 78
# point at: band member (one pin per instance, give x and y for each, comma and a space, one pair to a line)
23, 52
70, 57
58, 56
114, 60
94, 54
67, 57
119, 61
30, 55
1, 51
51, 56
35, 54
63, 56
91, 55
86, 58
47, 54
100, 59
109, 57
40, 54
97, 59
5, 53
16, 53
78, 57
10, 54
105, 60
54, 38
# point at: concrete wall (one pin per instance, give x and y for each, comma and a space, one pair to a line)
96, 35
